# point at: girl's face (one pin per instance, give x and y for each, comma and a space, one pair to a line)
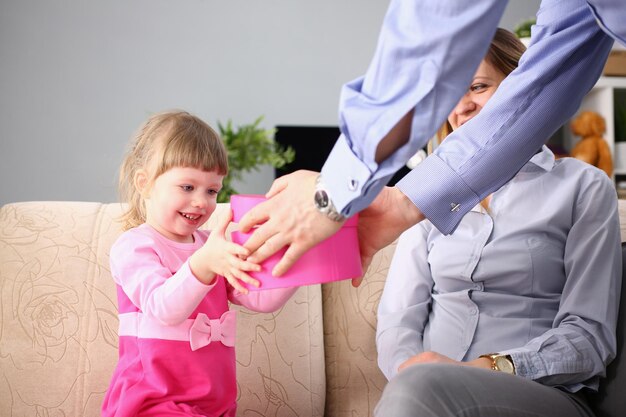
180, 200
486, 81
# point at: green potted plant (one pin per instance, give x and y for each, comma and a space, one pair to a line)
249, 146
522, 30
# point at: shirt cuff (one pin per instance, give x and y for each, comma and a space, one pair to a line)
347, 179
439, 192
527, 364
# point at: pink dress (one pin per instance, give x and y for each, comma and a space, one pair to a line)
176, 354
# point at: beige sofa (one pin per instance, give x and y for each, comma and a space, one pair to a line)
58, 326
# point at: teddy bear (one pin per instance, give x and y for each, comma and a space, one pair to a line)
592, 148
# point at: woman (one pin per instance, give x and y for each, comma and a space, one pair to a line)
514, 313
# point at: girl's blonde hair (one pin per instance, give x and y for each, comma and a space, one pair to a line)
167, 140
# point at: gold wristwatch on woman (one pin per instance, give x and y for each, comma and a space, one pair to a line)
502, 363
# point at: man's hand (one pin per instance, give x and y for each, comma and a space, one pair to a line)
390, 214
287, 218
219, 256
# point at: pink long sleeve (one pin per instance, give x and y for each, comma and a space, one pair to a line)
155, 279
263, 301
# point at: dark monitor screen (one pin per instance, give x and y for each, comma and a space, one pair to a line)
312, 144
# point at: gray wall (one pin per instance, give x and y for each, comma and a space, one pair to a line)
77, 77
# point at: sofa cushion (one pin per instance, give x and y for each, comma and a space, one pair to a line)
354, 382
58, 324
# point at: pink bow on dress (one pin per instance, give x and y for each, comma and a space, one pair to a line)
204, 330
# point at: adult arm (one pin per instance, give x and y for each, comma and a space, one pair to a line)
405, 304
426, 55
582, 341
565, 59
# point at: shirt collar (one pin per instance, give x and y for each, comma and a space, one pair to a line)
544, 159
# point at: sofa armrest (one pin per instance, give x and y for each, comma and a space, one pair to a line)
354, 383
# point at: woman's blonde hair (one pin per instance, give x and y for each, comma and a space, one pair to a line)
167, 140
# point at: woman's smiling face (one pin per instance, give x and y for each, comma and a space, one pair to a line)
486, 81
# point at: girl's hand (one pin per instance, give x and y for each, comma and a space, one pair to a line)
219, 256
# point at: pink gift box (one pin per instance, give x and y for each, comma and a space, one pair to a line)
334, 259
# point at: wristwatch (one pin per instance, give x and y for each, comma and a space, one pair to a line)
502, 363
324, 203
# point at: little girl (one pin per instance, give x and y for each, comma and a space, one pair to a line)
176, 334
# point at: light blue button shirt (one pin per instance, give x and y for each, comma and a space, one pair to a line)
538, 277
426, 56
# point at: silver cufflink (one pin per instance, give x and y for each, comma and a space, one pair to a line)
454, 207
353, 184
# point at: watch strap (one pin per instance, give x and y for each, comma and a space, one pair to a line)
494, 361
324, 203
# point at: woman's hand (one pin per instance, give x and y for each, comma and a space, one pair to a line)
219, 256
434, 357
427, 357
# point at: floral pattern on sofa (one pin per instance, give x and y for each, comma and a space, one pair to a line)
58, 322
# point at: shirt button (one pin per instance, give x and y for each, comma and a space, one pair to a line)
352, 184
455, 207
473, 311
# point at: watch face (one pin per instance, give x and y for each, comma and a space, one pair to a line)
321, 199
504, 364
